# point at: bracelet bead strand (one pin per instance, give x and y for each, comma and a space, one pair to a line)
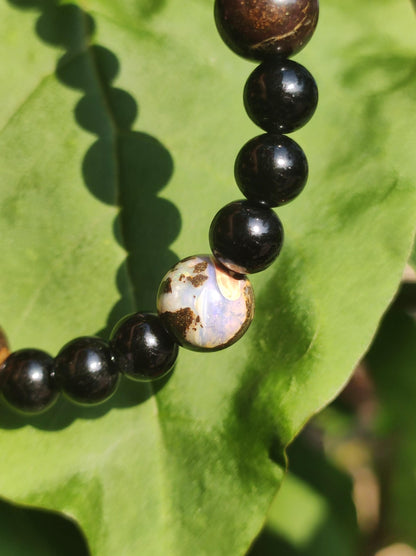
205, 302
280, 96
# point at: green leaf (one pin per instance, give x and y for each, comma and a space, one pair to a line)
118, 131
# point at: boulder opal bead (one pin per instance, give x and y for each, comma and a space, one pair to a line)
29, 381
144, 348
271, 169
203, 305
280, 96
257, 29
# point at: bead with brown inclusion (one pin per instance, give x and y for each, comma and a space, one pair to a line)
258, 29
203, 305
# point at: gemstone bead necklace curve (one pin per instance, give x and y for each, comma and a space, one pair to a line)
205, 302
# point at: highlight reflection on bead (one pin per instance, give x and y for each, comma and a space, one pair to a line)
205, 307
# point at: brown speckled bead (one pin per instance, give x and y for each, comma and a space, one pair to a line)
4, 347
257, 29
203, 305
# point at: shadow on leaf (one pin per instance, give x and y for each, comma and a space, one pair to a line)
124, 168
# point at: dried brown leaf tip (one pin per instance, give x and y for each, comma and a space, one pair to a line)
4, 346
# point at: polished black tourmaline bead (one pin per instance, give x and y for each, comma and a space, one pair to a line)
86, 370
259, 28
29, 382
246, 237
144, 348
271, 169
280, 96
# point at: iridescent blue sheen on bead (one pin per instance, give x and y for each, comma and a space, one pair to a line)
204, 306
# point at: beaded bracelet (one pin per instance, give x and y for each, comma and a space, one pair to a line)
205, 302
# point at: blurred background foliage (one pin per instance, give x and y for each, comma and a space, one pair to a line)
351, 489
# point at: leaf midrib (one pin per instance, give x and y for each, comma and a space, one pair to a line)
115, 133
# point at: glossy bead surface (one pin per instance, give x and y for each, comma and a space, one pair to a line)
280, 96
246, 237
256, 29
144, 348
204, 306
271, 169
86, 370
29, 384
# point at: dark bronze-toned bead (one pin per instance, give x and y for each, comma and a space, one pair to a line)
271, 169
4, 348
257, 29
280, 96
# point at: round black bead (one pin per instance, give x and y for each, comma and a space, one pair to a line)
246, 237
144, 348
86, 370
271, 169
29, 381
280, 96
